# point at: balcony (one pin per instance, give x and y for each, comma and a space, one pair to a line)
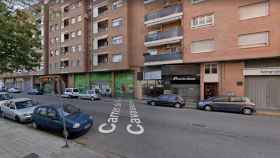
165, 15
171, 36
164, 58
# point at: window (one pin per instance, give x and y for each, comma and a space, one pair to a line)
79, 4
66, 22
79, 48
203, 46
66, 9
102, 59
65, 50
66, 36
211, 68
79, 33
102, 43
73, 20
56, 27
253, 40
56, 39
52, 114
254, 10
117, 22
73, 49
117, 4
52, 53
117, 40
73, 34
42, 111
79, 18
73, 6
102, 10
204, 20
52, 28
236, 99
64, 64
116, 58
56, 52
221, 99
197, 1
52, 41
153, 51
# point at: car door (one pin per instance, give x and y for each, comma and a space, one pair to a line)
41, 117
54, 121
163, 100
220, 103
236, 104
172, 99
5, 107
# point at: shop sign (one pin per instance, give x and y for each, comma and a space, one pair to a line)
184, 78
262, 71
152, 75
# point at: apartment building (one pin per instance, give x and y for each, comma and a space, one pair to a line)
234, 45
114, 67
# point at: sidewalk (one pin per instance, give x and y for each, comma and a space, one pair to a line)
268, 113
20, 141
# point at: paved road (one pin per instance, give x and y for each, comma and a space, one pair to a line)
179, 133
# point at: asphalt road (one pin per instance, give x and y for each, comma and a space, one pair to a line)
177, 133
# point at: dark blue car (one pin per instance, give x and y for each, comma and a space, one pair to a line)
51, 117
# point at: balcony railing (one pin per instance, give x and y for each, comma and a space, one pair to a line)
175, 32
163, 57
164, 12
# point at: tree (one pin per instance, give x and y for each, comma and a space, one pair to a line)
19, 40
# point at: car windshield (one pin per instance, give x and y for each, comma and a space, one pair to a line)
6, 96
24, 104
70, 110
75, 90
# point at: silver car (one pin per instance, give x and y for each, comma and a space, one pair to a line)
90, 94
20, 109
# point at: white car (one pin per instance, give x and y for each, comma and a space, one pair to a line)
13, 90
20, 109
90, 94
71, 93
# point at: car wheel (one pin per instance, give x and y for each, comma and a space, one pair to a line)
208, 108
177, 105
153, 103
247, 111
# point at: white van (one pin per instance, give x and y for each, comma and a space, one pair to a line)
71, 93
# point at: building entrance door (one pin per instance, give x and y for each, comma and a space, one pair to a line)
210, 90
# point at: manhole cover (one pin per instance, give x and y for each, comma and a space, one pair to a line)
32, 155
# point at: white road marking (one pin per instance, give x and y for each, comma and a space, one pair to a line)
134, 127
112, 120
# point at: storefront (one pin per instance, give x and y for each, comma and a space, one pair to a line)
262, 83
183, 80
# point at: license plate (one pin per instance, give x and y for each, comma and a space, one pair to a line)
87, 126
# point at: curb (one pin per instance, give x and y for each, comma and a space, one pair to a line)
268, 113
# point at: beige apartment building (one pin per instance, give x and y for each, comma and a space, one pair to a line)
196, 48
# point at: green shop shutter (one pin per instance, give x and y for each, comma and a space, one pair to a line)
124, 81
82, 82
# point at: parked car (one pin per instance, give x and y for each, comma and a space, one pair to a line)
20, 109
168, 100
50, 117
5, 96
71, 93
90, 94
14, 90
228, 104
35, 92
